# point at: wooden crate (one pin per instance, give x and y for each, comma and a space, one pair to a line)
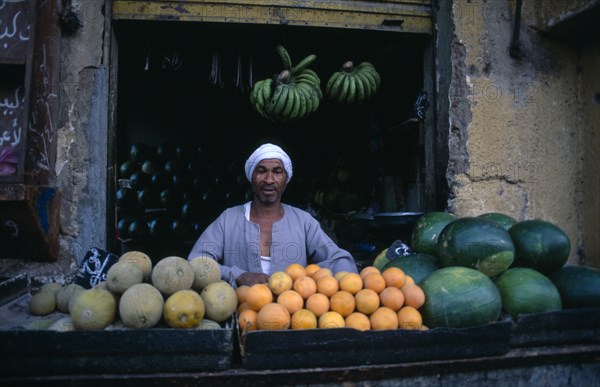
158, 349
567, 326
348, 347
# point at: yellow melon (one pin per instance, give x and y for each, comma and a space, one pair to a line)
184, 309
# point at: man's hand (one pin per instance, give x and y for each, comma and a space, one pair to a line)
250, 279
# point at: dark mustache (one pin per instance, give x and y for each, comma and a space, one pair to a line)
267, 185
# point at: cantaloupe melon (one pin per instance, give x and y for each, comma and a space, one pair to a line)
64, 324
139, 258
93, 309
52, 287
172, 274
141, 306
64, 296
42, 303
122, 275
220, 300
206, 272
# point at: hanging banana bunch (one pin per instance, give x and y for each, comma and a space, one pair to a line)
353, 85
293, 94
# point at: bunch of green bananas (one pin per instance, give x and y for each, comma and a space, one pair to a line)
293, 94
353, 84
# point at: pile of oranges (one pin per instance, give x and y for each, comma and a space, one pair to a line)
313, 297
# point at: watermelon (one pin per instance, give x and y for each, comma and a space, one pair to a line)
459, 297
427, 230
525, 290
417, 266
128, 168
540, 245
476, 243
502, 219
579, 286
126, 198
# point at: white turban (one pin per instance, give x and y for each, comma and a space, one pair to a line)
268, 151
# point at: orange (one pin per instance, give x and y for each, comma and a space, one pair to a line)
303, 319
241, 293
413, 295
351, 282
392, 297
338, 276
374, 281
331, 320
279, 282
318, 304
368, 270
409, 280
394, 277
323, 272
291, 299
311, 269
409, 318
258, 296
306, 286
327, 285
384, 318
247, 320
342, 302
358, 321
367, 301
273, 317
295, 270
242, 307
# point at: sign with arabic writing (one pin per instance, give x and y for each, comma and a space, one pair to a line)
94, 267
15, 50
15, 30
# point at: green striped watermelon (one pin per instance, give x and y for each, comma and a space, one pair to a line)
417, 266
579, 286
540, 245
426, 231
459, 297
476, 243
525, 290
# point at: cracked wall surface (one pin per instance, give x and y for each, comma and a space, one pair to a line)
517, 141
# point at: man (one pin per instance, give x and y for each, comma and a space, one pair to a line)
253, 240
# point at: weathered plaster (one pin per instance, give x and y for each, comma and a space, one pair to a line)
520, 131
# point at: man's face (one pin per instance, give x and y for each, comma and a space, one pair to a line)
269, 181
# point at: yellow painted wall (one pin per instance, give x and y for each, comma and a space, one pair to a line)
528, 128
